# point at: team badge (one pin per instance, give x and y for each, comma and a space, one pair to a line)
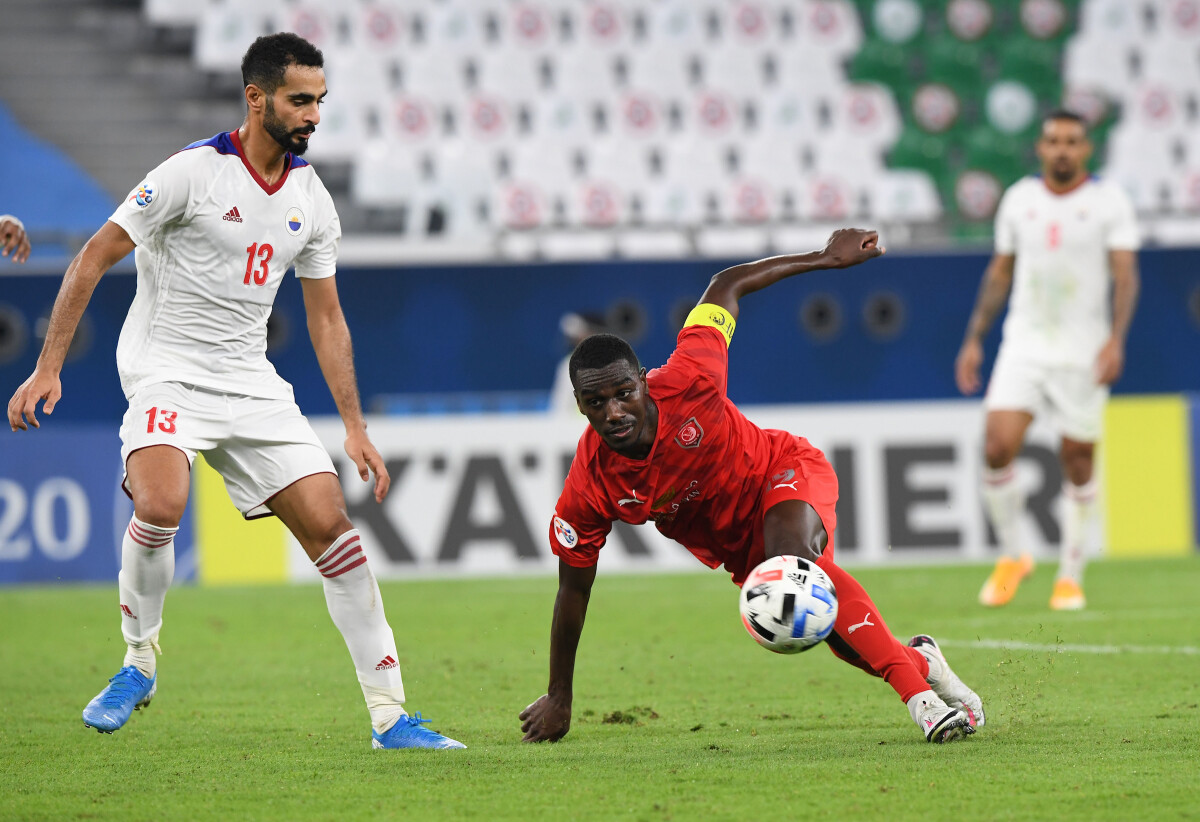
143, 195
564, 533
294, 221
690, 434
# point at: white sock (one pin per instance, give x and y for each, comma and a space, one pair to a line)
356, 608
1002, 499
147, 567
1079, 508
919, 702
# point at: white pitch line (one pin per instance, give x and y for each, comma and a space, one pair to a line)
1069, 648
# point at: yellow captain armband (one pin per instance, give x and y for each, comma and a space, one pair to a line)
714, 316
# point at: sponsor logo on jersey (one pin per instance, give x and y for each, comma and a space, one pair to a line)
143, 195
564, 533
690, 434
233, 215
866, 623
784, 479
664, 499
294, 221
632, 499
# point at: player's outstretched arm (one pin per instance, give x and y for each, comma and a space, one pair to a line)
335, 354
13, 239
549, 717
846, 247
1126, 284
104, 250
993, 293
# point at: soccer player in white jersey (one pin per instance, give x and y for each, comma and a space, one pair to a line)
215, 228
1066, 243
13, 239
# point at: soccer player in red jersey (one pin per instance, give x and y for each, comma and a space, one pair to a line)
669, 446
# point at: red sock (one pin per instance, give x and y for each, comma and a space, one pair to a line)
861, 638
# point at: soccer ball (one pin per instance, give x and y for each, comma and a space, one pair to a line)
788, 604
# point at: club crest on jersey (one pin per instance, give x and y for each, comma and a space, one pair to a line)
564, 533
294, 221
690, 434
144, 195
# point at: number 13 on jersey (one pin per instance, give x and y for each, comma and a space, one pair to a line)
260, 254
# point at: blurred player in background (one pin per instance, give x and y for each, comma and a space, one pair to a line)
13, 239
575, 327
1065, 242
216, 226
669, 446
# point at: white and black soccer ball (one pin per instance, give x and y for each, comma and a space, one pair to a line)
788, 604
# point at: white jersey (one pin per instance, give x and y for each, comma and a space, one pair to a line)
1060, 312
213, 244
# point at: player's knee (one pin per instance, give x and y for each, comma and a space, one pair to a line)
163, 510
331, 528
1077, 462
998, 452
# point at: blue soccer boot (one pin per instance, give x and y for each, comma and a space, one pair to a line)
128, 691
410, 732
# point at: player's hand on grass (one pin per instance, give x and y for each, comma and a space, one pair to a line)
1110, 362
966, 366
23, 405
367, 460
546, 720
850, 246
13, 239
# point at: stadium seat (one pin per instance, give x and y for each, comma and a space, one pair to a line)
904, 195
228, 28
829, 29
986, 149
508, 72
173, 12
880, 62
379, 27
916, 149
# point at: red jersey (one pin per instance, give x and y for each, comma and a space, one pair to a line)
710, 475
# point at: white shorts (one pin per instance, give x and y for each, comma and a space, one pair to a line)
258, 446
1069, 394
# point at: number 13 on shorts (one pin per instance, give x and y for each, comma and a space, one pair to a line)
163, 418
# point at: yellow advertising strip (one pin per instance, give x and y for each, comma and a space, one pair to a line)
231, 550
1148, 483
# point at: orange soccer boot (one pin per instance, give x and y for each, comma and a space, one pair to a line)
1067, 596
1004, 580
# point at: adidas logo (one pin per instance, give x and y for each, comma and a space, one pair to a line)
125, 610
233, 216
387, 663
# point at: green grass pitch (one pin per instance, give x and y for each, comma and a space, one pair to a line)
678, 714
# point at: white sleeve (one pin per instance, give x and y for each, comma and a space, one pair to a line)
318, 258
1122, 233
1006, 230
160, 198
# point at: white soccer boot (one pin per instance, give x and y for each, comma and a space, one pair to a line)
937, 720
944, 681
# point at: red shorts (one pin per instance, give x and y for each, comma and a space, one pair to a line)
799, 472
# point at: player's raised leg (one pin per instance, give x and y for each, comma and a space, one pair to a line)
860, 635
313, 509
157, 478
1002, 499
1079, 512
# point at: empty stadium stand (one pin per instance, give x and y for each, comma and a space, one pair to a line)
472, 129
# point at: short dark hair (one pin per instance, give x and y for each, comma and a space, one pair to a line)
600, 350
1065, 114
268, 58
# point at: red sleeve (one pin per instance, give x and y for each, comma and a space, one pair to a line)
701, 352
578, 530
